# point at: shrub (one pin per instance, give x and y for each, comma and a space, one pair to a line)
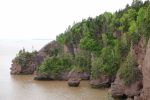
96, 66
129, 71
56, 64
89, 44
23, 57
83, 60
124, 46
53, 49
108, 63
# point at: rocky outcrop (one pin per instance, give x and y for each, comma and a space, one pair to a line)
62, 76
15, 68
119, 89
140, 90
102, 81
33, 62
139, 51
69, 49
50, 49
146, 75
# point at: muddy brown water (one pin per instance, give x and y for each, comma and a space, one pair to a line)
23, 87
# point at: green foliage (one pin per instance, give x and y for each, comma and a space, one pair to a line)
129, 71
106, 20
105, 40
60, 38
140, 20
83, 61
96, 66
95, 36
147, 23
132, 28
76, 34
89, 44
54, 49
108, 62
127, 19
124, 46
137, 4
24, 57
133, 34
56, 64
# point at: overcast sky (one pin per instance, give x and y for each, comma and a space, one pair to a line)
47, 18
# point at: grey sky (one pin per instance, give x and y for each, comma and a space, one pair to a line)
47, 18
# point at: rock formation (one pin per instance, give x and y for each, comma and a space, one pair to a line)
119, 89
73, 82
146, 74
61, 76
74, 79
33, 62
102, 81
48, 49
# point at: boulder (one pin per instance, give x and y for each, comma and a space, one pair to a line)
74, 82
74, 78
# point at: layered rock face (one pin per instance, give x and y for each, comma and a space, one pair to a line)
146, 74
139, 51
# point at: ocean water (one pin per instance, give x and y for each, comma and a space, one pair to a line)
23, 87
